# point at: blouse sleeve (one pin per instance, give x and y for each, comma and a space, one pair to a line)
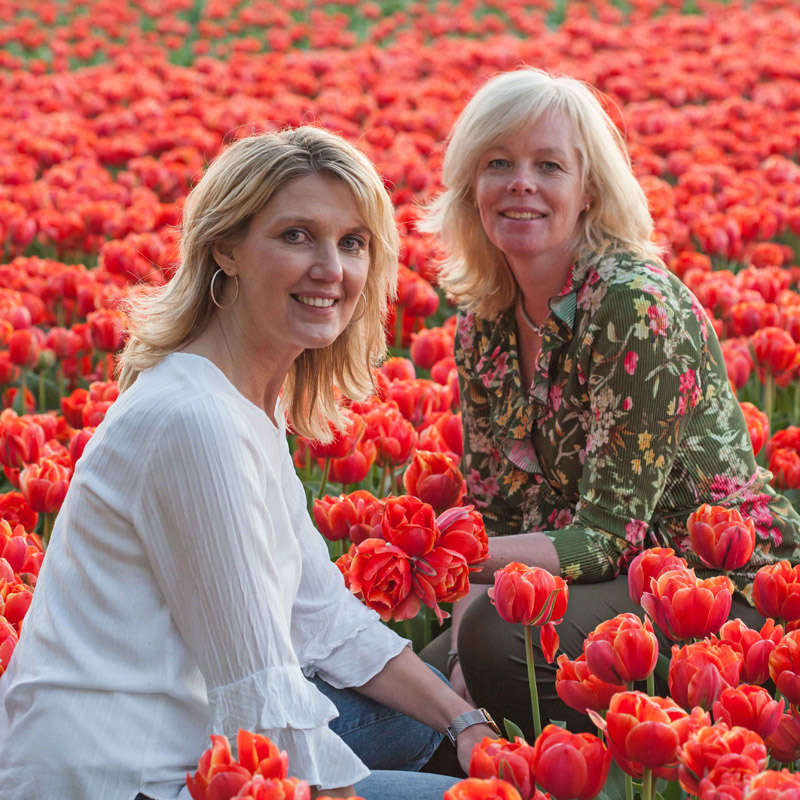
211, 540
644, 376
335, 635
481, 461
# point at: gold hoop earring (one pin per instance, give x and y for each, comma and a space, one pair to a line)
361, 315
214, 297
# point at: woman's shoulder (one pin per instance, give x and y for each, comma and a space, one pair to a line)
473, 331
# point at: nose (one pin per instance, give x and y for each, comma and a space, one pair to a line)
521, 181
327, 264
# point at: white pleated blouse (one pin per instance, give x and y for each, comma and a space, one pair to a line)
185, 592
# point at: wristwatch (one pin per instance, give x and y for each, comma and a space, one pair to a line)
479, 716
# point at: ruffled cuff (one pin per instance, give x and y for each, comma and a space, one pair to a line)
347, 644
280, 703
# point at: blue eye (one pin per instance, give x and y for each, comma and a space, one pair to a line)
498, 163
550, 166
354, 244
295, 236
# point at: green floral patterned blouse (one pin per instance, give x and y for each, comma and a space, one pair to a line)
629, 425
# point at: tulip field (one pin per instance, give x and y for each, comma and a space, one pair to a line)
109, 112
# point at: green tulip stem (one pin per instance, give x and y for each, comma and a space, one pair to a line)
647, 785
326, 470
628, 787
19, 400
537, 721
398, 327
651, 684
769, 397
47, 528
386, 478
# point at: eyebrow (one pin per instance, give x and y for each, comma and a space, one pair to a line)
311, 221
555, 150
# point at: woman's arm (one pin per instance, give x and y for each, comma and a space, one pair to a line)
533, 549
408, 685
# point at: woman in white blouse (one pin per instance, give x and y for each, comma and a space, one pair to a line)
185, 591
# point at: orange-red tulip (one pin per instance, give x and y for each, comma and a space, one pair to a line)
755, 647
570, 766
409, 524
622, 649
784, 743
784, 666
721, 537
479, 789
580, 688
712, 746
510, 761
686, 607
650, 564
218, 775
462, 529
776, 591
750, 707
435, 479
757, 426
8, 641
260, 788
699, 672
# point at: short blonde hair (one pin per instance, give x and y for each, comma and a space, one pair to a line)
218, 212
475, 273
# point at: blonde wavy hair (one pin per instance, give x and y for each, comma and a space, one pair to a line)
475, 273
218, 212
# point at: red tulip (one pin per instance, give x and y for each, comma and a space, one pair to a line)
757, 425
477, 789
462, 529
430, 346
8, 641
435, 479
622, 649
570, 766
699, 672
393, 436
773, 785
355, 516
341, 443
531, 596
776, 591
721, 537
650, 564
750, 707
21, 440
784, 666
580, 688
784, 464
409, 524
399, 369
355, 467
380, 574
260, 788
645, 732
512, 762
774, 351
218, 776
705, 748
784, 743
755, 647
685, 607
45, 485
23, 348
259, 755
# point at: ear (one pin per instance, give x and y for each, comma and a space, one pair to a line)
225, 258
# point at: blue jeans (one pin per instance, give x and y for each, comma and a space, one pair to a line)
391, 744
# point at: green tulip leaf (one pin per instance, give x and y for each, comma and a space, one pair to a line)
512, 730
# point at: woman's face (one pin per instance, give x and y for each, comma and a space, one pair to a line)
301, 268
529, 193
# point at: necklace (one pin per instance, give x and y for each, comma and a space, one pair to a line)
538, 329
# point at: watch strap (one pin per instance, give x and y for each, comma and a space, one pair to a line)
478, 716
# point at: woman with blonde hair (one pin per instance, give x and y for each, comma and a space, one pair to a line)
596, 408
185, 591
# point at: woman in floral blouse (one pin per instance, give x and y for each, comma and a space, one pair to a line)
597, 411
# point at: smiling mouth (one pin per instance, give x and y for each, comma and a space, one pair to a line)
523, 215
315, 302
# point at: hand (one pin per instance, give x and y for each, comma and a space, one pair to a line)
459, 685
345, 791
467, 741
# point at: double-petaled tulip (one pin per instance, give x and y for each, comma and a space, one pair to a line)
650, 564
645, 732
260, 788
218, 775
769, 785
774, 351
750, 707
380, 574
721, 537
355, 516
394, 436
784, 464
784, 667
776, 591
398, 368
686, 607
719, 747
580, 688
409, 524
21, 440
570, 766
23, 348
510, 761
622, 649
699, 672
430, 346
784, 743
341, 442
354, 467
435, 479
480, 789
462, 529
531, 596
45, 485
755, 647
440, 576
